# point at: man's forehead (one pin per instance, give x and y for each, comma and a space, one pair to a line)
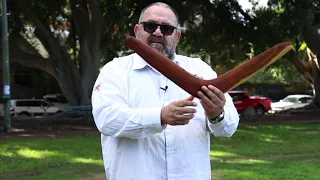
160, 14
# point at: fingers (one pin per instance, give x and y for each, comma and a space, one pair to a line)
204, 98
185, 110
182, 119
217, 92
211, 94
178, 112
176, 116
186, 102
212, 100
205, 107
190, 98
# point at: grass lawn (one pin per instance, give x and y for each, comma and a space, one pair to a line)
254, 152
268, 152
57, 159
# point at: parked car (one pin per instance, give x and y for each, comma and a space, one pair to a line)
32, 107
57, 100
257, 105
291, 102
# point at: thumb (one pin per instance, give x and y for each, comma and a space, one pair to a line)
190, 98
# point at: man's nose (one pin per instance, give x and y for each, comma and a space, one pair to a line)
158, 32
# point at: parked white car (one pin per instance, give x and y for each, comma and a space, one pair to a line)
57, 100
32, 107
291, 102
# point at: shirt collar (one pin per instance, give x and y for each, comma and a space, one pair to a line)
139, 63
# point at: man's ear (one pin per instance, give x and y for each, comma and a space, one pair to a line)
178, 35
136, 29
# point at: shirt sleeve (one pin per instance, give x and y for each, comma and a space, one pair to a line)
228, 126
113, 116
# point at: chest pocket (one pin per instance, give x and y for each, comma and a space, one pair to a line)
143, 88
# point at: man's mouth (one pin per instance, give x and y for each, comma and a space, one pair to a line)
159, 42
156, 40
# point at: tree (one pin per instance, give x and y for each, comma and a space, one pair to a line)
228, 34
215, 29
298, 22
71, 39
94, 35
96, 29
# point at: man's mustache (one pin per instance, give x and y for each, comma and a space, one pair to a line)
156, 39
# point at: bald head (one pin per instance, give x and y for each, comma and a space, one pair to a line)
162, 5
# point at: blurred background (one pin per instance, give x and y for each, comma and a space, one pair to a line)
52, 51
57, 47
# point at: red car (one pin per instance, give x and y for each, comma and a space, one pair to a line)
242, 101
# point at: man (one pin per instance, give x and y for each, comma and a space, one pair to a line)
151, 128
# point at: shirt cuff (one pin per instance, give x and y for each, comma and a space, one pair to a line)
226, 127
222, 123
151, 120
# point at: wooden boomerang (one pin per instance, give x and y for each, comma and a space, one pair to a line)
192, 84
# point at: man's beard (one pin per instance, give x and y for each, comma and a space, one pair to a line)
159, 44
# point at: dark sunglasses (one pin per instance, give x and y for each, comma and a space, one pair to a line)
150, 27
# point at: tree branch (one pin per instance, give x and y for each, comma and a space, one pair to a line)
311, 34
303, 68
80, 17
95, 27
31, 60
42, 32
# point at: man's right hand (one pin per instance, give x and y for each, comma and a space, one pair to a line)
176, 113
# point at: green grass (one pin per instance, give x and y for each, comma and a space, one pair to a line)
44, 158
254, 152
267, 152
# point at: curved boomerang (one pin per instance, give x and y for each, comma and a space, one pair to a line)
192, 84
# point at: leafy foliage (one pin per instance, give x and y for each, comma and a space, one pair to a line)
219, 31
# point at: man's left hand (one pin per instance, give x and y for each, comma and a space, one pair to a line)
212, 100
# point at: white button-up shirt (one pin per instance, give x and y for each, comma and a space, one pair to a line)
127, 99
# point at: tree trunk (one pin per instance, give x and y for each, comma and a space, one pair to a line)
317, 89
70, 83
305, 69
65, 72
87, 19
312, 39
76, 83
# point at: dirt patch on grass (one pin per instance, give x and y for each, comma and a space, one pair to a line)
273, 156
311, 160
28, 134
55, 128
34, 128
290, 155
100, 176
58, 127
309, 131
20, 175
